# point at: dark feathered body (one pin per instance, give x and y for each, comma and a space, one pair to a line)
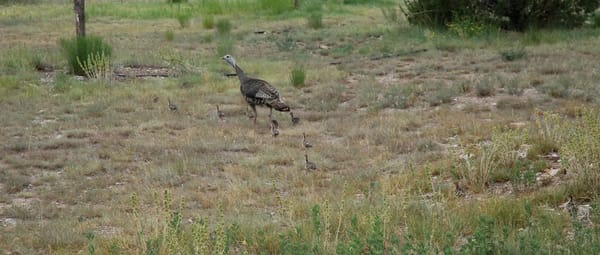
257, 91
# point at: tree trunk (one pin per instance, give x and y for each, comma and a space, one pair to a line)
295, 4
79, 8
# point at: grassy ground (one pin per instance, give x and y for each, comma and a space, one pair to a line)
396, 114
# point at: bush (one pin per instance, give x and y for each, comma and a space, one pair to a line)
596, 20
516, 15
435, 13
82, 49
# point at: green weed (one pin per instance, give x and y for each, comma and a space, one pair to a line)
298, 77
86, 51
223, 26
184, 19
208, 22
225, 45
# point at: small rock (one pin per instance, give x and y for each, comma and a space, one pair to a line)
554, 171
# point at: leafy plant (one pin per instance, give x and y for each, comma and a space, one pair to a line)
85, 50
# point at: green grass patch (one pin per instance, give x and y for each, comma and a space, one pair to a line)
80, 51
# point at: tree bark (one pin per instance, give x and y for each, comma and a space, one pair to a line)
295, 4
79, 8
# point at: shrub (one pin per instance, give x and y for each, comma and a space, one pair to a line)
315, 20
521, 15
596, 20
297, 77
435, 13
223, 26
466, 27
82, 49
507, 14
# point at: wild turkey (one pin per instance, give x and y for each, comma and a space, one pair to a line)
274, 128
459, 192
295, 120
309, 165
571, 207
172, 106
305, 142
257, 92
220, 114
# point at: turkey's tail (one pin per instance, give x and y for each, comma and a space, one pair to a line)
280, 106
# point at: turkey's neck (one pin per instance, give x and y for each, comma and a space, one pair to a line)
240, 74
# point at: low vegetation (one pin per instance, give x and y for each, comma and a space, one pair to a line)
463, 140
